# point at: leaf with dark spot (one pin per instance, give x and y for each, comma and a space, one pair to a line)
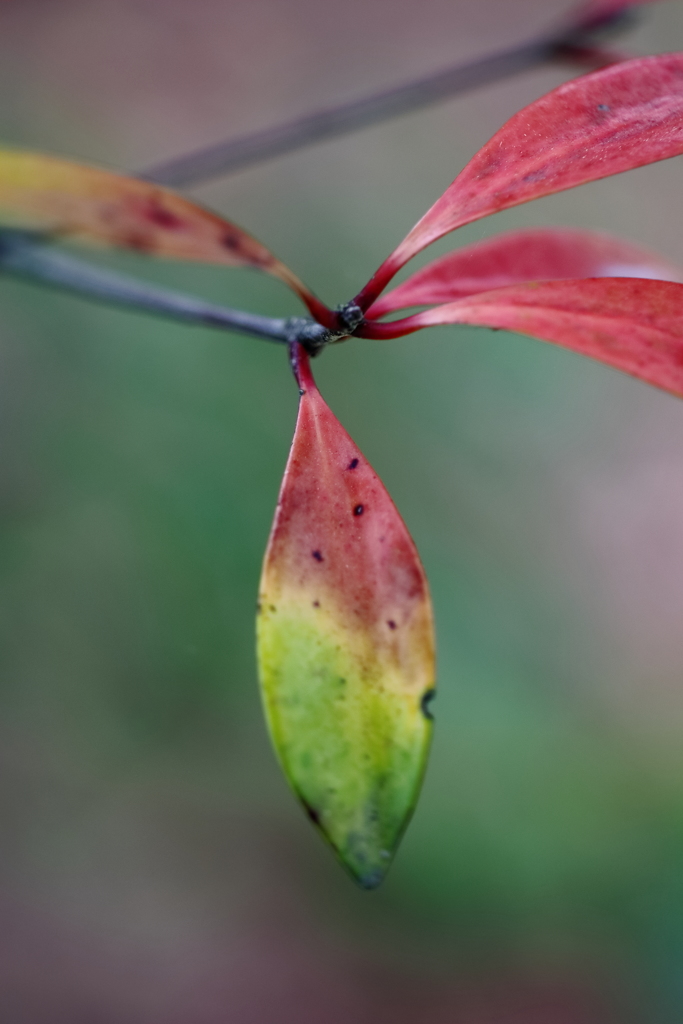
77, 202
341, 691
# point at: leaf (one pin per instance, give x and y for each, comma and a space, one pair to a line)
73, 201
534, 254
630, 324
620, 117
345, 643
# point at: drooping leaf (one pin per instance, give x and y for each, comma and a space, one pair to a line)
620, 117
533, 254
72, 201
631, 324
345, 643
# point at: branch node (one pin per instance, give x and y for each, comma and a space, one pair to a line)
349, 317
312, 335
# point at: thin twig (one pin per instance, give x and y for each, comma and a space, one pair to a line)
23, 254
245, 150
29, 256
235, 154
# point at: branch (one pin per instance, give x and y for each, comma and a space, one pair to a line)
27, 255
225, 157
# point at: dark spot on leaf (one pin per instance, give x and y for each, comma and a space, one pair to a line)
163, 218
352, 464
317, 555
273, 608
391, 624
230, 240
312, 813
316, 604
427, 697
358, 510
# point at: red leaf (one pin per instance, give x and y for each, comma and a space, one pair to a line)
634, 325
620, 117
534, 254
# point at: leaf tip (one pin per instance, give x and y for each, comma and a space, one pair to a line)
367, 863
371, 880
363, 853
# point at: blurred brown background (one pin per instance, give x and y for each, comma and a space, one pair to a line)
153, 867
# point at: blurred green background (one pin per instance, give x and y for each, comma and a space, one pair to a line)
153, 866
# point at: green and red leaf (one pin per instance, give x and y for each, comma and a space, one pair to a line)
345, 643
72, 201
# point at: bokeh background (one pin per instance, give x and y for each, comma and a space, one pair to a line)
153, 866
